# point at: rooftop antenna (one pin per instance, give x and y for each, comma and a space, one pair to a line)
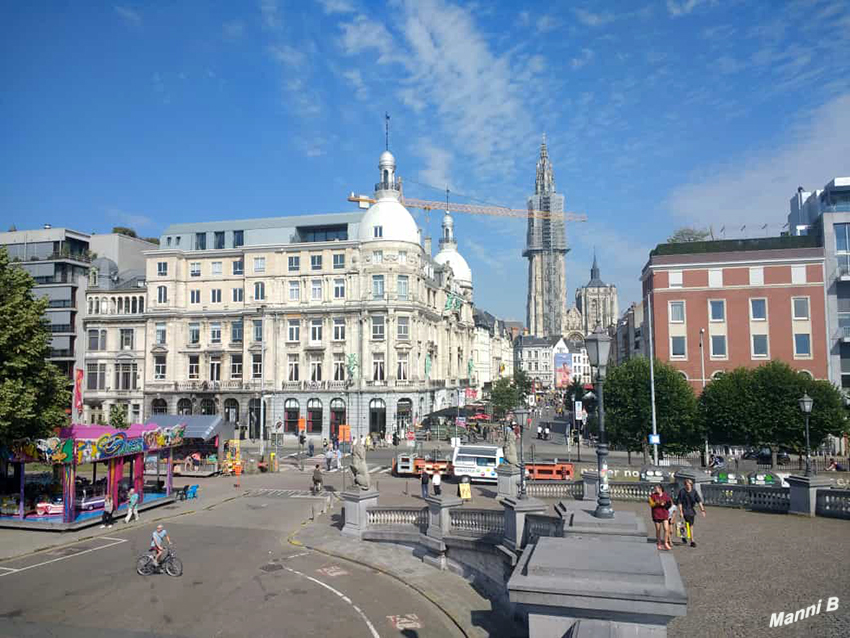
387, 129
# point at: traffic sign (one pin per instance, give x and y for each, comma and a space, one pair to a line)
655, 439
460, 421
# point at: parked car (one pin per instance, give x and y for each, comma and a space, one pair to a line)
764, 457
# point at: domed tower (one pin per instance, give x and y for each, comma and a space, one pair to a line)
449, 254
387, 219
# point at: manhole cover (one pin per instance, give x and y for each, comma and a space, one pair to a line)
271, 567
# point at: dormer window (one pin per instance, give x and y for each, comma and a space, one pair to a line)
93, 274
377, 232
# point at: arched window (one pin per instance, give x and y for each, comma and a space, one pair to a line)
684, 376
807, 374
231, 410
291, 412
718, 374
207, 406
93, 275
314, 415
91, 305
259, 291
337, 416
159, 406
255, 415
141, 304
135, 305
378, 416
120, 305
184, 407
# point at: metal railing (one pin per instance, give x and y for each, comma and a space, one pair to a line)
477, 522
398, 517
833, 503
624, 491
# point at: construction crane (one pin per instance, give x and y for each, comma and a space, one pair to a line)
474, 209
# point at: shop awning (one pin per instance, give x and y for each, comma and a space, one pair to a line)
198, 426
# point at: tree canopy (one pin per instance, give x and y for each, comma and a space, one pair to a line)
760, 407
522, 382
33, 392
504, 396
123, 230
118, 417
686, 234
628, 407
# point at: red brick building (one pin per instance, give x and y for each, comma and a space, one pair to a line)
726, 304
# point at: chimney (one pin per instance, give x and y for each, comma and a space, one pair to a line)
428, 246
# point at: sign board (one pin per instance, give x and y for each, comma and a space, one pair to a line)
461, 421
655, 439
471, 393
302, 424
465, 491
345, 433
578, 408
563, 369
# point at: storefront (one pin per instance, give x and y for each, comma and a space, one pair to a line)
202, 450
59, 496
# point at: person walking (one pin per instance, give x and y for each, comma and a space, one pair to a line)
338, 459
437, 482
311, 447
687, 499
132, 506
329, 457
108, 508
425, 478
660, 502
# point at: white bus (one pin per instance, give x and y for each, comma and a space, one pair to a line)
478, 462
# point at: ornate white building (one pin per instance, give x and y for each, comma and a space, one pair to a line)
332, 319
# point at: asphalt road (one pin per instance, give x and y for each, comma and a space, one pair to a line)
241, 578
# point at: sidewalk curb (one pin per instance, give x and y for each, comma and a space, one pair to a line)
295, 542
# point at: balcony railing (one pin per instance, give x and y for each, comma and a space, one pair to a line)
64, 327
389, 185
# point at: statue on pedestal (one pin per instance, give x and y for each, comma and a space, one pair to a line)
359, 469
510, 448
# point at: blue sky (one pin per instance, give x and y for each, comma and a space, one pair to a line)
658, 114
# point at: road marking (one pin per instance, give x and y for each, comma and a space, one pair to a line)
378, 468
8, 569
296, 555
408, 621
333, 571
117, 541
371, 627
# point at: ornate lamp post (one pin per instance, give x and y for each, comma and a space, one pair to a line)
521, 414
598, 346
806, 403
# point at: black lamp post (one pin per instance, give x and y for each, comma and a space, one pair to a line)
806, 403
521, 414
598, 346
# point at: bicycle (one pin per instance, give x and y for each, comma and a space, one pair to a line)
146, 566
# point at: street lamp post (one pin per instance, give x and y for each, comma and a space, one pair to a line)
521, 414
806, 403
457, 416
598, 347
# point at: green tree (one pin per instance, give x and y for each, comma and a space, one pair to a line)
504, 397
685, 235
33, 392
153, 240
760, 407
522, 383
118, 417
628, 407
123, 230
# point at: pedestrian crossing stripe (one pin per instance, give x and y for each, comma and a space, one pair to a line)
380, 469
278, 493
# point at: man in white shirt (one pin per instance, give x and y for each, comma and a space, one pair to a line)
436, 481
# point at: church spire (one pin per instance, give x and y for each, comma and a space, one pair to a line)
545, 182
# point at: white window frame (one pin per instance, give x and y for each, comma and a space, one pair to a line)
195, 269
294, 291
794, 309
678, 357
403, 367
215, 332
216, 268
315, 290
215, 295
712, 354
339, 288
160, 334
315, 331
293, 263
377, 256
757, 275
293, 331
406, 324
236, 366
162, 294
315, 263
238, 295
195, 296
161, 270
711, 318
798, 355
379, 335
766, 309
293, 368
160, 367
798, 274
376, 279
377, 232
238, 267
259, 291
256, 366
674, 279
670, 311
339, 367
259, 264
402, 257
406, 294
339, 261
196, 328
196, 364
753, 354
339, 329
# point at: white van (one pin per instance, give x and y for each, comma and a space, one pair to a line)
478, 462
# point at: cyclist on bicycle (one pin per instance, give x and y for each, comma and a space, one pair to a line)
317, 479
157, 544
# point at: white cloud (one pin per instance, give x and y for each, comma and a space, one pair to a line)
336, 6
363, 35
128, 15
355, 79
678, 8
755, 190
287, 55
547, 23
585, 57
487, 256
270, 14
438, 163
590, 19
233, 30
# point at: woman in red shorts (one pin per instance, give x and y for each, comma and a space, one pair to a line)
660, 502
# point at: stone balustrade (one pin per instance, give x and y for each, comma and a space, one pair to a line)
769, 499
538, 525
833, 503
554, 489
379, 516
477, 522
